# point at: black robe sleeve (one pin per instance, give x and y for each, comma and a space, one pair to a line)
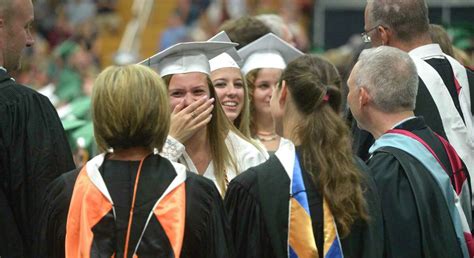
366, 238
398, 204
207, 230
246, 218
33, 152
51, 235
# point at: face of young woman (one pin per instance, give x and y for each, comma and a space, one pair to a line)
229, 87
187, 88
267, 79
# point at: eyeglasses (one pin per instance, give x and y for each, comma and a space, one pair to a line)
365, 35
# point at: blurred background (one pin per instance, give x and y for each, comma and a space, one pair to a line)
75, 39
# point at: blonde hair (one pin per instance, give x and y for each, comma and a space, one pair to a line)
217, 131
130, 108
242, 122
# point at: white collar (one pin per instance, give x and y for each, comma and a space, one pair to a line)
427, 52
403, 121
286, 155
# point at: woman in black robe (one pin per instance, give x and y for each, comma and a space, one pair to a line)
340, 202
130, 201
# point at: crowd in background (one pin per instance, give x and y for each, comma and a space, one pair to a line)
65, 58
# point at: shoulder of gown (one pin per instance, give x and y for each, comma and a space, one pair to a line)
415, 214
246, 213
51, 234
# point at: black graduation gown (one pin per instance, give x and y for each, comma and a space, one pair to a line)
257, 205
416, 219
206, 232
33, 152
425, 106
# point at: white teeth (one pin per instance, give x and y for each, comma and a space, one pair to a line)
229, 103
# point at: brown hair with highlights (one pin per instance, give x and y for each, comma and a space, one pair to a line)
326, 144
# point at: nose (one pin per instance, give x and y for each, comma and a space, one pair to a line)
270, 90
231, 90
30, 41
188, 99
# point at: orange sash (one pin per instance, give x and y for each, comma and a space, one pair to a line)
91, 201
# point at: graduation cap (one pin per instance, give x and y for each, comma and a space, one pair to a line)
269, 51
230, 58
187, 57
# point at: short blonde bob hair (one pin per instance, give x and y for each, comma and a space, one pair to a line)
130, 108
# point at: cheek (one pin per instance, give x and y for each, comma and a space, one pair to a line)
258, 94
240, 94
220, 92
174, 102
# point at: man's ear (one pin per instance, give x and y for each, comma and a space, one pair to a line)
385, 35
364, 97
283, 94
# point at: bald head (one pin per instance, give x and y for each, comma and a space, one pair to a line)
408, 19
5, 8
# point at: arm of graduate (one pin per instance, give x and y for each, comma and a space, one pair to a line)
173, 149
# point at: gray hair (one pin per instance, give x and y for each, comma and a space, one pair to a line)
390, 76
274, 22
407, 18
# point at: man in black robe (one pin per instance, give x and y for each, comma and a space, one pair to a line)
33, 146
418, 221
405, 25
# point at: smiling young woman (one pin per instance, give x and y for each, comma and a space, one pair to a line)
265, 59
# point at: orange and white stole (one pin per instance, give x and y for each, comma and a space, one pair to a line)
91, 201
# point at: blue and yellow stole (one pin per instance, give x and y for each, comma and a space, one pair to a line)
300, 230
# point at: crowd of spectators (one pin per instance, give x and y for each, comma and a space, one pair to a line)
65, 58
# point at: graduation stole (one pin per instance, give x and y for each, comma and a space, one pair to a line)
419, 149
460, 134
300, 230
91, 201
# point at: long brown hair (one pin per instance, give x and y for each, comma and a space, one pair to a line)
217, 131
326, 144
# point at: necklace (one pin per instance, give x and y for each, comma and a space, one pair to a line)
266, 137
